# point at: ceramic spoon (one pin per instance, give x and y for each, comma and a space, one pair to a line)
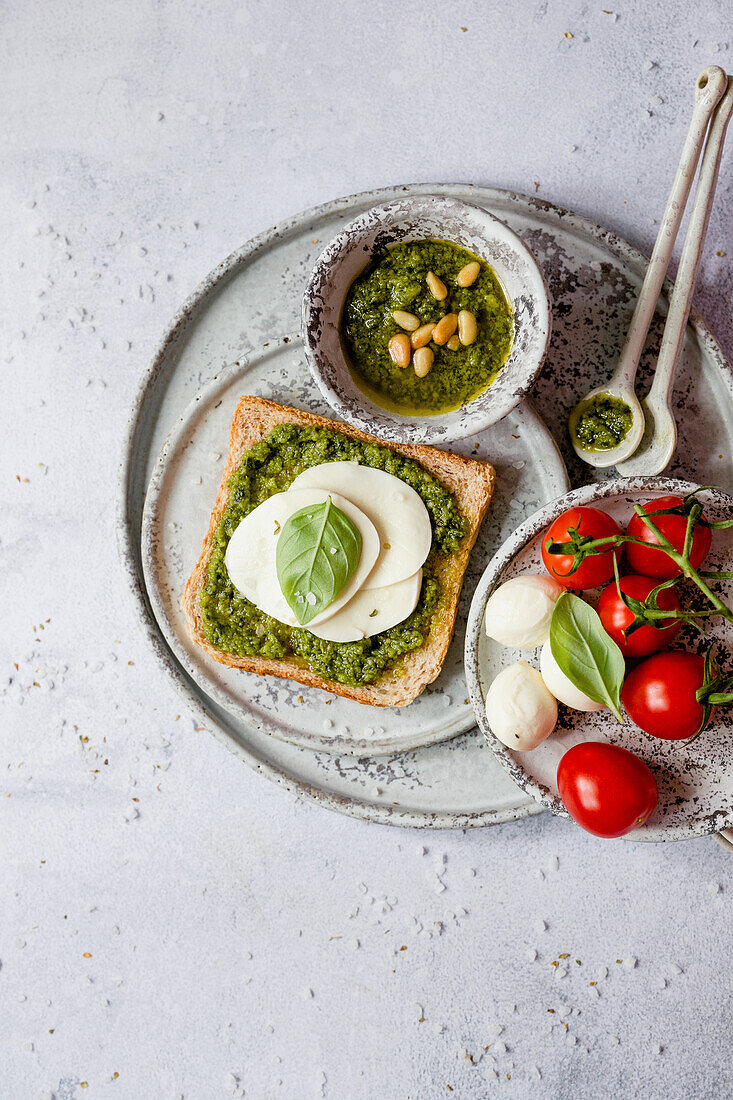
660, 431
709, 87
660, 436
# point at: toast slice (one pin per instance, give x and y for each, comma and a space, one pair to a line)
471, 481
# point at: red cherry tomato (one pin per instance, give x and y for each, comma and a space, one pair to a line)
616, 616
606, 789
659, 695
593, 570
655, 563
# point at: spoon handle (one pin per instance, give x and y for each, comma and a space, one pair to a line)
709, 87
679, 306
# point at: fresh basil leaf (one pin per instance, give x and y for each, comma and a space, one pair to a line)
586, 654
317, 554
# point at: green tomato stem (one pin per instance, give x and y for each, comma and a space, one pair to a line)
683, 563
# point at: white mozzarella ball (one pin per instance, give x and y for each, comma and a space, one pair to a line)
561, 686
518, 613
520, 710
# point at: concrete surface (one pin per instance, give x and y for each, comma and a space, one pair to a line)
173, 925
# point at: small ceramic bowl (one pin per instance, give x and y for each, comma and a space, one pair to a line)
421, 218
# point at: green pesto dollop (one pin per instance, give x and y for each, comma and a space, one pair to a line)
603, 423
395, 280
233, 624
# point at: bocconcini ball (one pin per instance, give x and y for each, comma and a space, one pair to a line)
518, 613
520, 709
561, 686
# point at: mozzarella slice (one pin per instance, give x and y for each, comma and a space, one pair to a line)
371, 611
250, 555
395, 509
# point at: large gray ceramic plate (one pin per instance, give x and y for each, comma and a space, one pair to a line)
252, 297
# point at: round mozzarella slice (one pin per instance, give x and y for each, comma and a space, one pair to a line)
250, 555
371, 611
395, 509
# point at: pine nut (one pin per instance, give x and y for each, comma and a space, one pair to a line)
453, 344
467, 327
422, 361
400, 349
422, 336
445, 328
468, 275
436, 286
408, 321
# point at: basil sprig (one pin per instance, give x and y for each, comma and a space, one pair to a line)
317, 554
586, 654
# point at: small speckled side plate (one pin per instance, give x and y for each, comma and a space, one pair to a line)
696, 781
181, 494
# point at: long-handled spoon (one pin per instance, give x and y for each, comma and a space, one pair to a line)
660, 436
660, 431
709, 87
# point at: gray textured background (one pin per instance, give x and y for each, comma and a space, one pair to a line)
219, 937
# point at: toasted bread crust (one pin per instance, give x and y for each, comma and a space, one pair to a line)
471, 481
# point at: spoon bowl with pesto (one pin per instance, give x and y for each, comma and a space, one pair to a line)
607, 426
425, 320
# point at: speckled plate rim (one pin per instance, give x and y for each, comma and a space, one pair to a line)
585, 495
128, 526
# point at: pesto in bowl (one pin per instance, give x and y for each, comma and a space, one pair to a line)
437, 223
397, 280
233, 624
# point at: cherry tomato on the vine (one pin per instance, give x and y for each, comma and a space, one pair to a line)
654, 562
616, 616
606, 789
574, 526
660, 695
